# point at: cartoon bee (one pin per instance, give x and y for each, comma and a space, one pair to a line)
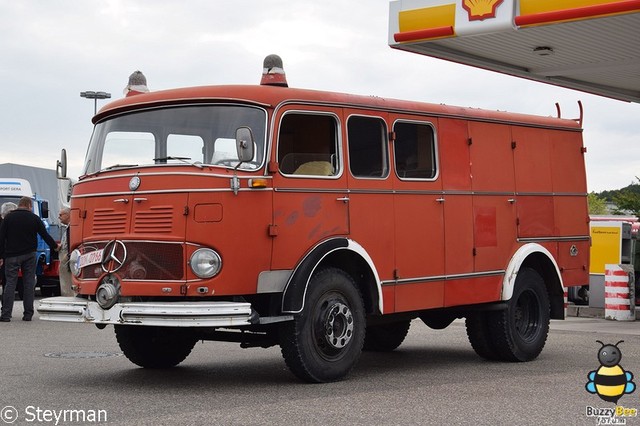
610, 381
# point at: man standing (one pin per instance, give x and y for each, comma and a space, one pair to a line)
18, 243
64, 271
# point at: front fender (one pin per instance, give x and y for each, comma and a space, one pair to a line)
295, 291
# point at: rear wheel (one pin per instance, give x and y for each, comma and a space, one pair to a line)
386, 337
521, 330
479, 335
154, 347
324, 341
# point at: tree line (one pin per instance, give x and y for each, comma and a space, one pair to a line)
625, 201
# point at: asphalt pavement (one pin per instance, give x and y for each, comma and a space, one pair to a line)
52, 372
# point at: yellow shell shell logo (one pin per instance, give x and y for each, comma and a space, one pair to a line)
479, 10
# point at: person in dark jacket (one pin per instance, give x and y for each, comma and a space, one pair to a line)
18, 244
4, 210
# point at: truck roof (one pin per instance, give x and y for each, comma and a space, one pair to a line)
273, 96
15, 187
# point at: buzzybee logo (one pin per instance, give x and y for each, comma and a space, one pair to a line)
610, 381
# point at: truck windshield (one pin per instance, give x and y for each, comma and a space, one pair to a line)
8, 199
196, 134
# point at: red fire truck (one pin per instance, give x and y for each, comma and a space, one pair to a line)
322, 222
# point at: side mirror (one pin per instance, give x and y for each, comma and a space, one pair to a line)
65, 188
61, 165
244, 144
44, 206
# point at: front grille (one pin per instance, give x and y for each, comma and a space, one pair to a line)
145, 261
109, 221
156, 220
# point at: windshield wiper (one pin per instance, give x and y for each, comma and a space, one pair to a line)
185, 160
119, 166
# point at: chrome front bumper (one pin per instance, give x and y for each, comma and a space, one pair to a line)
164, 314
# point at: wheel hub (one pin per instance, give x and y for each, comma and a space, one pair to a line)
339, 326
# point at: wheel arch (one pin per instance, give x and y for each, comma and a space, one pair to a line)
342, 253
538, 258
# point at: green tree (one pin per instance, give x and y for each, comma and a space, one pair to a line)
628, 199
597, 204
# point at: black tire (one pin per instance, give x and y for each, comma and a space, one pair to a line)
49, 290
324, 342
519, 332
154, 347
386, 337
479, 334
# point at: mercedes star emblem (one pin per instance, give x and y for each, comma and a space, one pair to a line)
134, 183
114, 255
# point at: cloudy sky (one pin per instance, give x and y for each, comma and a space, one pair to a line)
50, 51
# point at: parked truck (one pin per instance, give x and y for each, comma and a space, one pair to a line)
11, 190
322, 222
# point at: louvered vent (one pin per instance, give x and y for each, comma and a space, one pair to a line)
157, 220
108, 221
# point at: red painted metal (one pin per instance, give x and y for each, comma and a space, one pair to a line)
416, 35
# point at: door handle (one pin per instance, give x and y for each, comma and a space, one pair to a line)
343, 199
121, 200
440, 200
139, 200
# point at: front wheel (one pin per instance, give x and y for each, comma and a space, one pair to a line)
154, 347
324, 342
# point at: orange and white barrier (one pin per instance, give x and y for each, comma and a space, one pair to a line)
619, 303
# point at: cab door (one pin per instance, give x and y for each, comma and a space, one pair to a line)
310, 200
371, 206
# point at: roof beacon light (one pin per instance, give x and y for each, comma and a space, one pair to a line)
137, 84
273, 72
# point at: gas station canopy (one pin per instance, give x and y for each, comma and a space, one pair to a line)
588, 45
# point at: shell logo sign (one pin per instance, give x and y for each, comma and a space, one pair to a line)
448, 18
479, 10
415, 21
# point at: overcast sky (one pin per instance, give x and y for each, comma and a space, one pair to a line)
50, 51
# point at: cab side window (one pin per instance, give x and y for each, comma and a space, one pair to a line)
415, 150
308, 145
367, 147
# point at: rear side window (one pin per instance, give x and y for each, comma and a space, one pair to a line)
367, 147
414, 150
308, 145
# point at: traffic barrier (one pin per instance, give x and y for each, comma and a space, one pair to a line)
619, 297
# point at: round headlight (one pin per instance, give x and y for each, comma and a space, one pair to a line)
205, 263
74, 259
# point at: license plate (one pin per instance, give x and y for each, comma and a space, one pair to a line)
90, 258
